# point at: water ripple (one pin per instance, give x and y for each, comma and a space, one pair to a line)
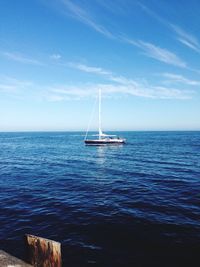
109, 205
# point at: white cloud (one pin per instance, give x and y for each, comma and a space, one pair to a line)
121, 85
56, 98
116, 84
158, 53
100, 71
58, 93
12, 86
161, 54
73, 91
14, 83
149, 49
82, 15
180, 79
88, 69
182, 36
21, 58
185, 38
7, 87
55, 56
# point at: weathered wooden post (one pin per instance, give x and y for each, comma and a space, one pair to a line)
43, 252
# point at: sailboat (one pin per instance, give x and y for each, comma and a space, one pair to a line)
104, 139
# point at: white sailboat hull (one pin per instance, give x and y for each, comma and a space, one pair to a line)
106, 141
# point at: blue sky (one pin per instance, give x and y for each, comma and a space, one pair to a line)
56, 54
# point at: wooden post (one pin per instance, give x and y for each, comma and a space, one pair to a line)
43, 252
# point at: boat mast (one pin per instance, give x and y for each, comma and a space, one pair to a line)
100, 132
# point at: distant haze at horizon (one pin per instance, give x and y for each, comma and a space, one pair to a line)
55, 55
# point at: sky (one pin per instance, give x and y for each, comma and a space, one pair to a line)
56, 54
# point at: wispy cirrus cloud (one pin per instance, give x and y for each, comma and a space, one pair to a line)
186, 38
100, 71
180, 79
85, 17
115, 84
89, 69
182, 35
21, 58
13, 85
158, 53
60, 92
151, 50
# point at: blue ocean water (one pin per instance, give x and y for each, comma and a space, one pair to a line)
136, 204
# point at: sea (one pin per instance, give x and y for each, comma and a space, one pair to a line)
135, 205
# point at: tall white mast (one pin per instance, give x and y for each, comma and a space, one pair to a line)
100, 132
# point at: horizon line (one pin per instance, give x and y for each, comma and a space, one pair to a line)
65, 131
